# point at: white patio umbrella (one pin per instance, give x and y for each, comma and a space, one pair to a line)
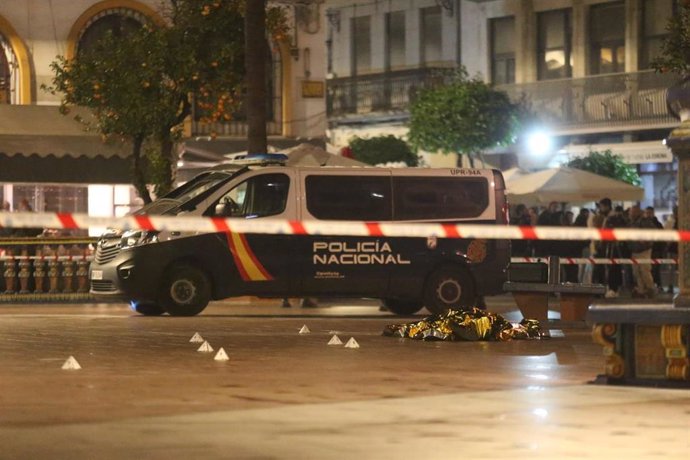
513, 174
311, 155
569, 185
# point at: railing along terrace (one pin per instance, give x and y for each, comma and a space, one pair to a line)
599, 101
384, 92
232, 128
45, 269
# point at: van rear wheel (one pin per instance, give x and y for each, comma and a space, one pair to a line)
403, 307
449, 288
186, 291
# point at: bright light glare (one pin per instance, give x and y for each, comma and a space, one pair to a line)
541, 413
539, 143
538, 376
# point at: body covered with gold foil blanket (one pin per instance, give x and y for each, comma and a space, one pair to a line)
466, 324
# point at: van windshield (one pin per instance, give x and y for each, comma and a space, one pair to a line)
188, 195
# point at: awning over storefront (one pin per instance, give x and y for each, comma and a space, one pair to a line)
42, 131
65, 169
39, 144
73, 146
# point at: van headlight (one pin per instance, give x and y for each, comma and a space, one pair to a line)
137, 237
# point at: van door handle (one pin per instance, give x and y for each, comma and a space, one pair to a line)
175, 233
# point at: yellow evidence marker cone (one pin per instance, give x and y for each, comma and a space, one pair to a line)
335, 340
352, 343
221, 355
196, 338
71, 364
205, 347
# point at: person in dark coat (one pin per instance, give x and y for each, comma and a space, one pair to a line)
580, 248
550, 217
598, 248
672, 248
658, 247
521, 248
614, 250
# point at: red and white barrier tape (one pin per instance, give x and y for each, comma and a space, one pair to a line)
318, 227
598, 261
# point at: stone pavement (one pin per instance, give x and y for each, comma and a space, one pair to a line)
145, 392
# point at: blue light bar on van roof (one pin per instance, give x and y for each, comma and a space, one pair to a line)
259, 159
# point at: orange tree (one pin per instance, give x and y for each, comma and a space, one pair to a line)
464, 115
141, 86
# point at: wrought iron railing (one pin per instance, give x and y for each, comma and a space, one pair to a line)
232, 128
599, 101
386, 92
45, 269
596, 102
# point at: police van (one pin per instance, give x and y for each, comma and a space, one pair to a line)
178, 273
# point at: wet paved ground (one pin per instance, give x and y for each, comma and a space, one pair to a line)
145, 392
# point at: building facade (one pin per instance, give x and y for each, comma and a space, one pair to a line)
52, 162
583, 66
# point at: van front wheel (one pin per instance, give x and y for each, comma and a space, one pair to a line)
448, 288
186, 291
147, 308
402, 307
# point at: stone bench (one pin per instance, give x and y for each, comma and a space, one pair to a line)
533, 283
533, 298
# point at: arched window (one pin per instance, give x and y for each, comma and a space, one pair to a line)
9, 74
118, 21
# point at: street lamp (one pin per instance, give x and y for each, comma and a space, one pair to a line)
539, 142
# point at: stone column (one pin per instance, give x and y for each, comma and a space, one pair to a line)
579, 39
526, 43
679, 142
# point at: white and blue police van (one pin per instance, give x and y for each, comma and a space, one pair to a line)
179, 273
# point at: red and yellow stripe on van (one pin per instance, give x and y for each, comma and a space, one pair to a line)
247, 264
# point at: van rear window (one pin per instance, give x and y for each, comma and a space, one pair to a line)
435, 198
349, 197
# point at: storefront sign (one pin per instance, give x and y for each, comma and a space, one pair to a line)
311, 88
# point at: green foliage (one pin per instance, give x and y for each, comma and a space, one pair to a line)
675, 48
464, 116
141, 86
607, 164
383, 149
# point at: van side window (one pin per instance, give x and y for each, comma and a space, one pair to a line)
349, 197
260, 196
433, 198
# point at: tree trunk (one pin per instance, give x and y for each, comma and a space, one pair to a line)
138, 173
169, 167
255, 63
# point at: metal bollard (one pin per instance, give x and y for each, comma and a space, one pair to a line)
10, 275
39, 275
67, 274
24, 275
53, 276
82, 276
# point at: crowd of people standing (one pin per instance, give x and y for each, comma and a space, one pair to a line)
645, 279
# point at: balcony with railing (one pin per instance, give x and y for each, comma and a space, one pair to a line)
235, 128
599, 103
389, 92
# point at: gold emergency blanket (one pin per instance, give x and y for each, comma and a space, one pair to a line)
466, 324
